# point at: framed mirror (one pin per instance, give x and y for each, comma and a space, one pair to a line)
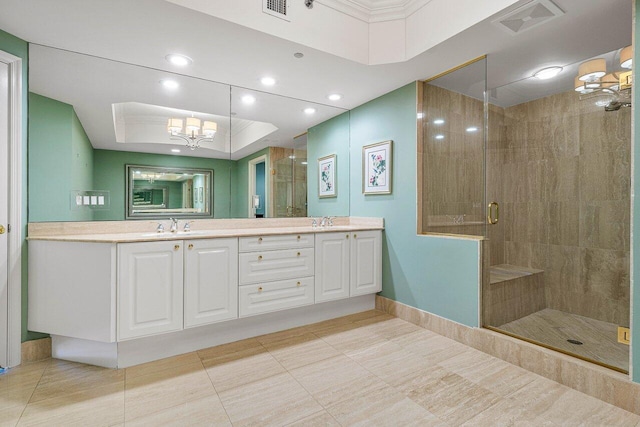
160, 192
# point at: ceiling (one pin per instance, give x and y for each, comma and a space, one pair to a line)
143, 32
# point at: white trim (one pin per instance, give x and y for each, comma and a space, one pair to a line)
252, 184
14, 289
379, 11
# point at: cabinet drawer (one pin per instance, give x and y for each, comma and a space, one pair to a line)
274, 296
258, 267
268, 243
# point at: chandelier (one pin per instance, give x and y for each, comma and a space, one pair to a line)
194, 131
611, 90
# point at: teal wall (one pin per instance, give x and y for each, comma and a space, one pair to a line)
109, 174
330, 137
241, 184
60, 160
20, 48
635, 262
436, 274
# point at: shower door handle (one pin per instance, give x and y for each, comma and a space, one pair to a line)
490, 218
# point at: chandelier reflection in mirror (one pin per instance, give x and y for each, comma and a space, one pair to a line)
609, 90
194, 131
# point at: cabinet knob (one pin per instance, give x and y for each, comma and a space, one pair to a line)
176, 247
298, 284
298, 253
259, 239
190, 246
347, 236
259, 257
298, 237
260, 289
355, 235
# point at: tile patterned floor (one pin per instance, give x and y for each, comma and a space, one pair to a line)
365, 369
554, 328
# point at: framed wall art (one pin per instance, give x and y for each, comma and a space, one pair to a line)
327, 176
376, 168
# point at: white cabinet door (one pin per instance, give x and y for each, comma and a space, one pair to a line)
366, 262
210, 281
149, 288
332, 266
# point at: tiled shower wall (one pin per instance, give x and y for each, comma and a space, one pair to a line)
560, 169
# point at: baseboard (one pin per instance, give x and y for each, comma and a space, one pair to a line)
36, 350
605, 384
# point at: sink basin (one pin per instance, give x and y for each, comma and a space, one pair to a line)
192, 233
179, 233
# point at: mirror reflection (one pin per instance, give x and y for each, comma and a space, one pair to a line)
270, 149
90, 117
155, 192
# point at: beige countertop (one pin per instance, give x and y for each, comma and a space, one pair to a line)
124, 231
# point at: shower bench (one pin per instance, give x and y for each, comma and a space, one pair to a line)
513, 292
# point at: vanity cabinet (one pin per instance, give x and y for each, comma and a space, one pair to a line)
117, 302
348, 264
150, 285
276, 272
210, 281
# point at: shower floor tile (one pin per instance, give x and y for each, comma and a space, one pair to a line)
554, 328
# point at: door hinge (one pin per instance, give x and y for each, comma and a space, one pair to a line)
624, 335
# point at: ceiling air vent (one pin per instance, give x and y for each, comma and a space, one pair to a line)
277, 8
528, 16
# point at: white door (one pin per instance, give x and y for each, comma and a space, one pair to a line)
366, 262
210, 281
332, 266
149, 288
4, 213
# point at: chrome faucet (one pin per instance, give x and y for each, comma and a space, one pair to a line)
174, 224
314, 223
160, 228
187, 226
327, 221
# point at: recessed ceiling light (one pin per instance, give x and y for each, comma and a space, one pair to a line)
547, 73
335, 97
249, 99
439, 136
268, 81
472, 129
438, 121
298, 55
175, 150
170, 84
309, 110
179, 60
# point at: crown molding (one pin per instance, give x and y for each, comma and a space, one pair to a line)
376, 11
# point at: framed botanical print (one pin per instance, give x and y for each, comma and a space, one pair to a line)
376, 168
327, 176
